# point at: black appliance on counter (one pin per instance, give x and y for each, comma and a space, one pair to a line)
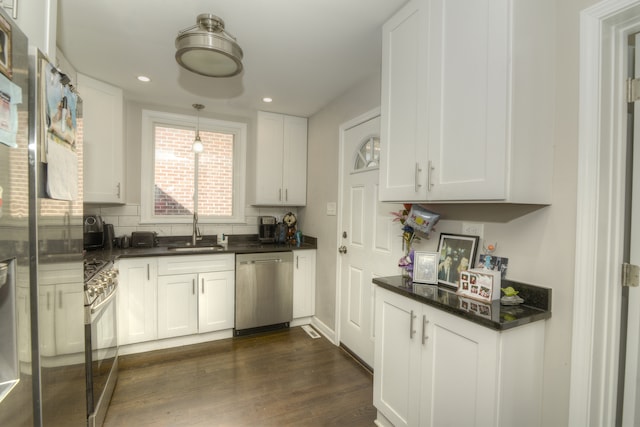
267, 229
93, 232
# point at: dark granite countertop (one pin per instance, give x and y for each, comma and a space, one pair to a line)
536, 306
238, 244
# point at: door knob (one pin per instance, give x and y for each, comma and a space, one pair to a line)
342, 249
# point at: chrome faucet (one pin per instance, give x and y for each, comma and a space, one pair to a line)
195, 236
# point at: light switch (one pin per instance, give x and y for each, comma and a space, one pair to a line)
331, 208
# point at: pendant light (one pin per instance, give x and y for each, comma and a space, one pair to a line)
207, 49
197, 146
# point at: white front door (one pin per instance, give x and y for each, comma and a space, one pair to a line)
370, 242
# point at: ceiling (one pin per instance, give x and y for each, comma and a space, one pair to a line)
301, 53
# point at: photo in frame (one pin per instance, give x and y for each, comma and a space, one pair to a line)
457, 252
425, 267
492, 262
6, 66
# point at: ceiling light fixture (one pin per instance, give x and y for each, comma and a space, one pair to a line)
207, 49
267, 99
144, 79
197, 146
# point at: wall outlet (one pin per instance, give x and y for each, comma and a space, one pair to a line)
473, 229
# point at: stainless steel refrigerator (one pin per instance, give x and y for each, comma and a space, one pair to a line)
42, 368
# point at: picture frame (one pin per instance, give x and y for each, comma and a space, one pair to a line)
492, 262
480, 284
425, 267
457, 252
6, 66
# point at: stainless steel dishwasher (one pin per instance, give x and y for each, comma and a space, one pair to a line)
264, 291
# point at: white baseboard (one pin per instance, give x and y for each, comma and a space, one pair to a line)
174, 342
329, 333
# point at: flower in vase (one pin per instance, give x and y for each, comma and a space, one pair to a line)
408, 233
406, 262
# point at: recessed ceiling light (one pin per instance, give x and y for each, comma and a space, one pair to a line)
144, 79
267, 99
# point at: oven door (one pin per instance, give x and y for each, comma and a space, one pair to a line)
102, 349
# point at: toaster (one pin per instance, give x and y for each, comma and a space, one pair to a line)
143, 239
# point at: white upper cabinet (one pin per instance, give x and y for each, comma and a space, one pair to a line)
103, 141
280, 161
467, 102
38, 20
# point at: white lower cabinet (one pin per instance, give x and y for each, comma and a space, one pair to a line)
60, 295
216, 301
177, 305
304, 283
137, 300
199, 301
70, 338
433, 369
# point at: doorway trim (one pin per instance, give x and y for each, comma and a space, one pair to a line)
604, 29
341, 130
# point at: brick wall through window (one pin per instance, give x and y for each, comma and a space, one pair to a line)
174, 173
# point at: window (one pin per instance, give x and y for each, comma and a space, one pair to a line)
368, 155
176, 182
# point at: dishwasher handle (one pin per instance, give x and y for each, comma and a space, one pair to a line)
262, 261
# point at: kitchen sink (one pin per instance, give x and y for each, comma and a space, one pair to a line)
198, 248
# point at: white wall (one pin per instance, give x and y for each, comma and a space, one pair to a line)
126, 218
539, 242
322, 185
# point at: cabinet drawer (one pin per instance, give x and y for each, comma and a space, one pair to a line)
195, 264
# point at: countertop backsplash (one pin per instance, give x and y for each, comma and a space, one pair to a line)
126, 219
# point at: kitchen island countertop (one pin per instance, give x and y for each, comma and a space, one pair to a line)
536, 306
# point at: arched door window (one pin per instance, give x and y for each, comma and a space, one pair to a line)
368, 155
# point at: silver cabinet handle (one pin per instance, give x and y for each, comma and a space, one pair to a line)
60, 299
411, 330
203, 286
193, 286
286, 194
429, 180
118, 191
280, 194
148, 274
416, 177
424, 329
297, 268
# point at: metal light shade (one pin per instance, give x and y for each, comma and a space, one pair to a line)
208, 50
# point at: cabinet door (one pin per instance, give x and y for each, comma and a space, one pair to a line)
46, 320
103, 143
69, 318
304, 283
37, 19
216, 301
468, 99
459, 372
137, 301
177, 305
403, 144
269, 160
397, 358
23, 309
294, 170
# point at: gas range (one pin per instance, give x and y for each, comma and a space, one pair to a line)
100, 281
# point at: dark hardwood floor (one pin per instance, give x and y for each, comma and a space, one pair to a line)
281, 378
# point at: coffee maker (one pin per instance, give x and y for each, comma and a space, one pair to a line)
93, 237
267, 229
